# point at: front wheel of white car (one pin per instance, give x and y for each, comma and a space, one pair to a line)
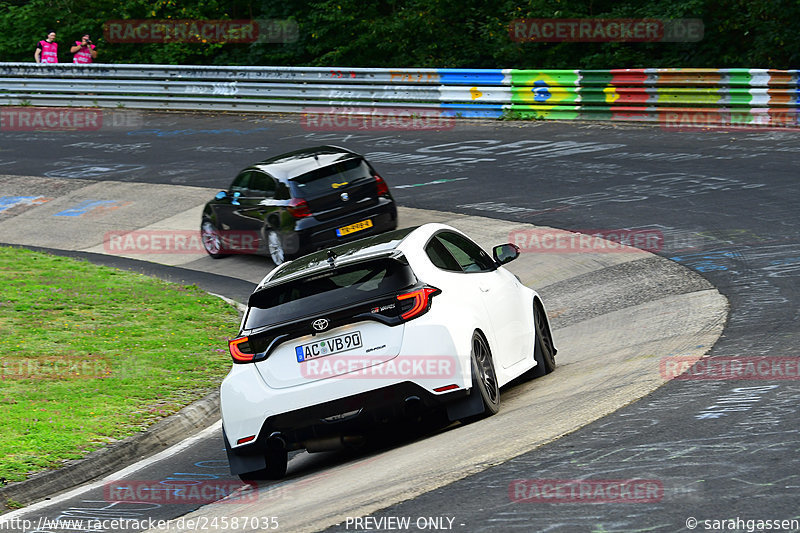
484, 378
544, 352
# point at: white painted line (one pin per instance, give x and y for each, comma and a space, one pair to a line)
147, 461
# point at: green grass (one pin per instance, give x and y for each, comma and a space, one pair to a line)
90, 355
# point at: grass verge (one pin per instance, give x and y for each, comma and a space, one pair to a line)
91, 354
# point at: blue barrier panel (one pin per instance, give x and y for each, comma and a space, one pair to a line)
467, 76
472, 110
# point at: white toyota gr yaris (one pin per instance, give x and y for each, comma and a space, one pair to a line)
336, 342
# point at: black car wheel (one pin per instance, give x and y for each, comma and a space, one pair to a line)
544, 352
277, 459
275, 247
212, 241
484, 379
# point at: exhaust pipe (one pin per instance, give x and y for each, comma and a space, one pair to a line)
412, 406
276, 440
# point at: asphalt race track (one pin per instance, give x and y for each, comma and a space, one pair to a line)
725, 203
594, 297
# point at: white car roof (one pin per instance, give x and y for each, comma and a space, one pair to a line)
410, 243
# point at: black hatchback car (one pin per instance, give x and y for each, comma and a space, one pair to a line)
295, 203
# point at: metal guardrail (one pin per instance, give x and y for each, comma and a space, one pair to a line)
725, 96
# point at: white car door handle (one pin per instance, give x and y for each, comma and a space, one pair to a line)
484, 289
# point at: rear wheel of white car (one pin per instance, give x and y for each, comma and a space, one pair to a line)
544, 352
484, 379
277, 459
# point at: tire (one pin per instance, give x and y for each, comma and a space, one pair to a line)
544, 352
484, 378
277, 459
275, 247
209, 235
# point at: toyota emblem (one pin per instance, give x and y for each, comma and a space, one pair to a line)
320, 324
345, 196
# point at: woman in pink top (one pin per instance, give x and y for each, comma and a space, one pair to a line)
84, 51
47, 50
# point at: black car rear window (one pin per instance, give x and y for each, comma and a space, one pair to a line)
327, 179
327, 291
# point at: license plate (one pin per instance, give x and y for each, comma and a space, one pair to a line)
352, 228
340, 343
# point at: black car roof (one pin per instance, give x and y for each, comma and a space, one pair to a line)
381, 245
299, 162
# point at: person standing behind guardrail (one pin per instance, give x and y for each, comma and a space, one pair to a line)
84, 51
47, 50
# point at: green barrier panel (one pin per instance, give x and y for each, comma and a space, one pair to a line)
595, 77
544, 78
545, 95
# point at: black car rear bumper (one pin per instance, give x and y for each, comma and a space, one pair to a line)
311, 234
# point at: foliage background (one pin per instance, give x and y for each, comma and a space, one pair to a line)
419, 33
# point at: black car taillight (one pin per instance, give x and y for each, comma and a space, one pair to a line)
298, 208
383, 189
417, 302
